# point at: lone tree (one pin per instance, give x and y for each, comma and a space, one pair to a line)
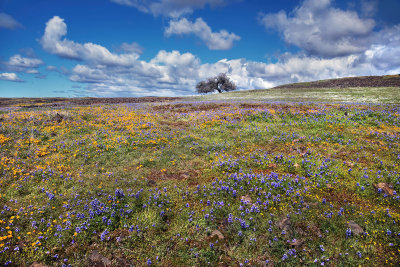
218, 83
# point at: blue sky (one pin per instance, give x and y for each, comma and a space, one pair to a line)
111, 48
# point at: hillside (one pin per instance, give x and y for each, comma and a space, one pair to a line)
361, 81
364, 89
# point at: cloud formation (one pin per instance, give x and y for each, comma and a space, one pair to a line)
10, 76
322, 30
171, 73
221, 40
53, 42
24, 62
384, 52
18, 63
8, 22
170, 8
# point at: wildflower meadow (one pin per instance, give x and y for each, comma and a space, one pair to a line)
197, 183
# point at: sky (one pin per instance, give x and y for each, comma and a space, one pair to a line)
121, 48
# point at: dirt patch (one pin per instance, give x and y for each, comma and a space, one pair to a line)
175, 124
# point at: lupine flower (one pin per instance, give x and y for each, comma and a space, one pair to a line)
348, 232
103, 234
119, 193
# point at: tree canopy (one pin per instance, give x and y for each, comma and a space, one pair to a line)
219, 83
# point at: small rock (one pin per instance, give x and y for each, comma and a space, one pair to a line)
97, 260
218, 234
349, 164
246, 199
301, 231
284, 224
272, 165
265, 264
297, 243
387, 188
355, 228
151, 182
59, 117
184, 176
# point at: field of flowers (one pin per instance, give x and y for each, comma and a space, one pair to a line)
200, 183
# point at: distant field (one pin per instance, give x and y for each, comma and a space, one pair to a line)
338, 95
363, 89
206, 183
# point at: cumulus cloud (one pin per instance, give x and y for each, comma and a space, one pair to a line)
385, 51
175, 58
53, 42
170, 8
322, 30
24, 62
221, 40
8, 22
18, 63
297, 68
10, 76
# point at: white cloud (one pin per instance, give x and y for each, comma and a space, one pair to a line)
83, 73
24, 62
53, 43
384, 53
18, 63
322, 30
221, 40
32, 71
10, 76
8, 22
175, 58
297, 68
171, 8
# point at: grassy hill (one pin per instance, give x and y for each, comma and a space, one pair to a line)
367, 89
